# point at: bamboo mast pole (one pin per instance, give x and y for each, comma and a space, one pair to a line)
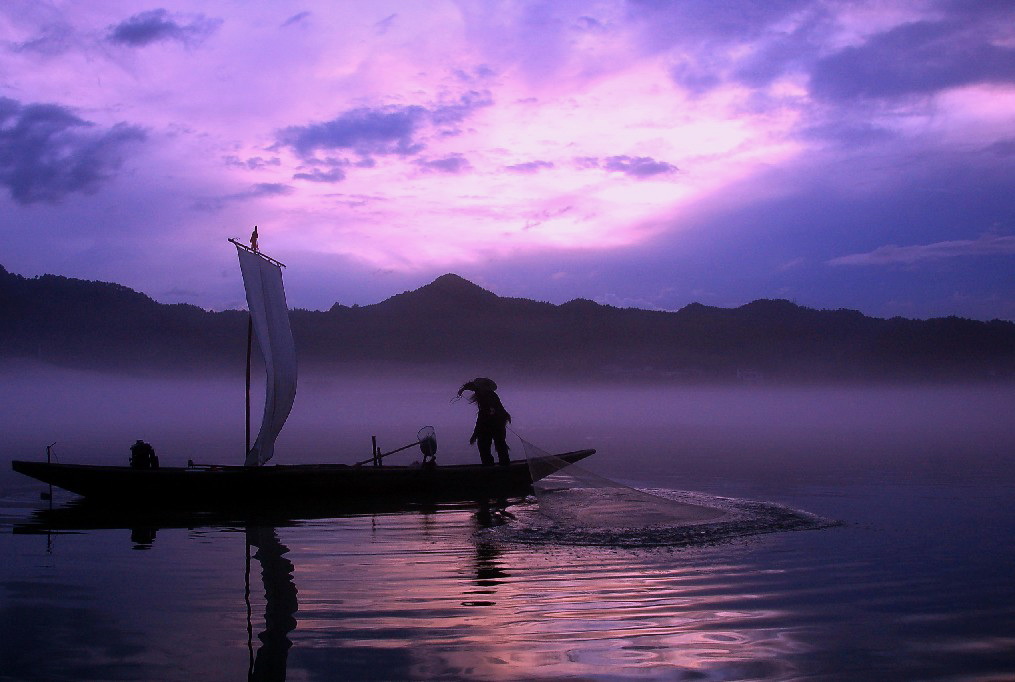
250, 338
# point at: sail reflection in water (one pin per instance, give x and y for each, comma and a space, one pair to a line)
280, 607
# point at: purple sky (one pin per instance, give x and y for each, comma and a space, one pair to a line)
642, 153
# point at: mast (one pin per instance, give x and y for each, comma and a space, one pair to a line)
250, 339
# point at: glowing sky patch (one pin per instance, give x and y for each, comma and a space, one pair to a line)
511, 142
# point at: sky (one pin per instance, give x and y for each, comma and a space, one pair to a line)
641, 153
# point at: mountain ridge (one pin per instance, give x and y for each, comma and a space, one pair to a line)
452, 322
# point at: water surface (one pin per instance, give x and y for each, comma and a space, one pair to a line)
914, 583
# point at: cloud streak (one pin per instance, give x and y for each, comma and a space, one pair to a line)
633, 166
52, 40
529, 167
638, 167
986, 245
453, 164
258, 191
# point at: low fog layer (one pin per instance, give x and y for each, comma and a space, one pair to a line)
670, 437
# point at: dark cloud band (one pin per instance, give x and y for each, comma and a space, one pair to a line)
380, 131
47, 153
915, 58
157, 25
387, 130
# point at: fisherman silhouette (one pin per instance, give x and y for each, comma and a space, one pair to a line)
142, 456
491, 420
253, 239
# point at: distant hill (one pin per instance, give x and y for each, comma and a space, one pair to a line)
452, 323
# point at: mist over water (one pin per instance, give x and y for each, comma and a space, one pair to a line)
913, 583
653, 435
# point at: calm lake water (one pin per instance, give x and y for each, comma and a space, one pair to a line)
914, 582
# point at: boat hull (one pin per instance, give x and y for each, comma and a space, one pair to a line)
331, 484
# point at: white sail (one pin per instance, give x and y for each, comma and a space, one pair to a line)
262, 279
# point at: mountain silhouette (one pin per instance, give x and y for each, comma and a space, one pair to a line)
452, 323
449, 288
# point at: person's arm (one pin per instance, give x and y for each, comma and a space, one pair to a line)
498, 406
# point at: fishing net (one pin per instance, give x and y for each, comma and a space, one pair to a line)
572, 495
579, 507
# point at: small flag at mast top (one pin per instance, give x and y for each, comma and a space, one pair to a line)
253, 239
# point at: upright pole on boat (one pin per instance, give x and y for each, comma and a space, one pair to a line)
49, 460
250, 337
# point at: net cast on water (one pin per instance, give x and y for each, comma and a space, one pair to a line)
579, 506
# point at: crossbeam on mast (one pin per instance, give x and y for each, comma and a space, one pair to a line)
256, 253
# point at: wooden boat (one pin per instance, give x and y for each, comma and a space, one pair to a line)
327, 484
253, 484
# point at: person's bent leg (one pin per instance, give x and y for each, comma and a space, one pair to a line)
484, 442
500, 442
